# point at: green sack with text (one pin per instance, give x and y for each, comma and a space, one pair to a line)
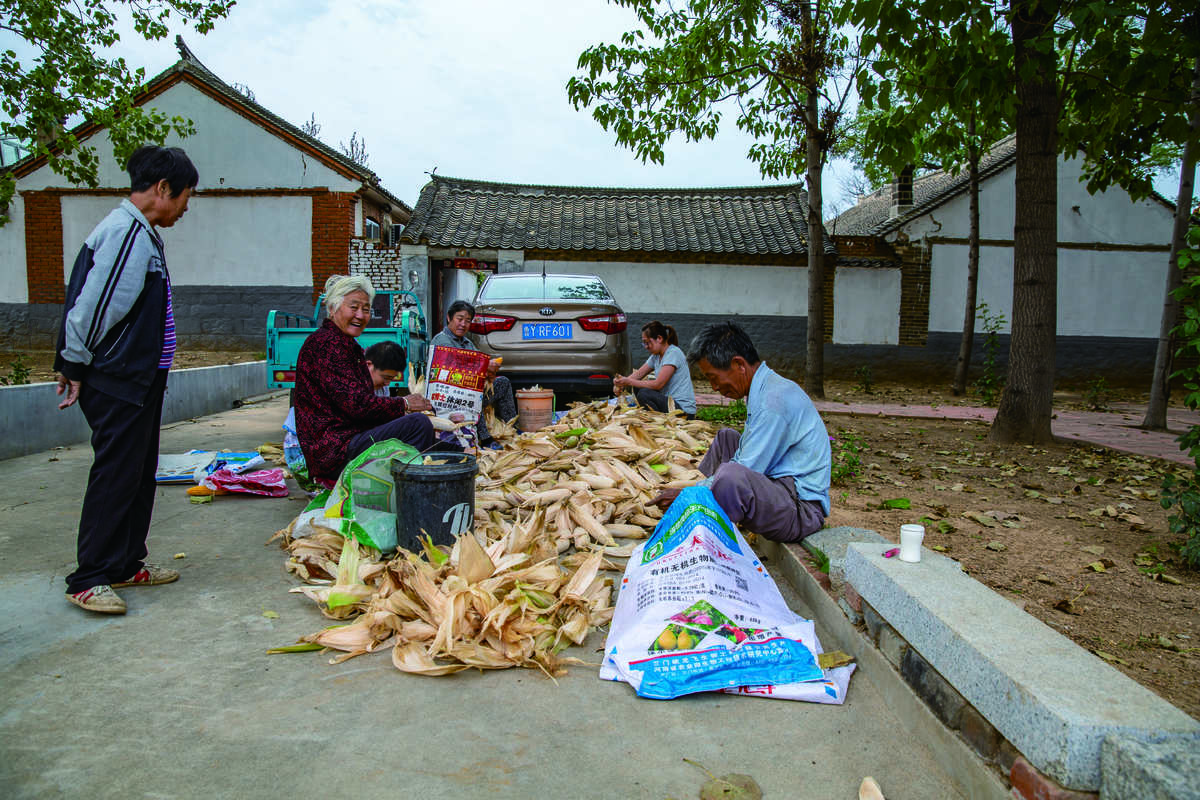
362, 503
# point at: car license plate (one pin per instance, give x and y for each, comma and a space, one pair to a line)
546, 330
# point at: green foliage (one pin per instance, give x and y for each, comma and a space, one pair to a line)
1182, 492
991, 382
847, 463
866, 378
732, 415
1124, 73
18, 374
934, 66
66, 78
688, 61
820, 559
1097, 395
1130, 71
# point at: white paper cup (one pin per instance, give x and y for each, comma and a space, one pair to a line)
911, 537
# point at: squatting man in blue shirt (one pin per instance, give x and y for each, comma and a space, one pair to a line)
773, 478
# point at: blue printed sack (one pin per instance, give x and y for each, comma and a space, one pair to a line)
698, 612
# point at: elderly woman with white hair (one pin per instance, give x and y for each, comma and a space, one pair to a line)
338, 414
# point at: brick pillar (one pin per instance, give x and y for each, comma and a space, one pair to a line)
827, 292
332, 227
44, 247
914, 292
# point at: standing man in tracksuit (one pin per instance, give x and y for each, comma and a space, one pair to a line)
115, 345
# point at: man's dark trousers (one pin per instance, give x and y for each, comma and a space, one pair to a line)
119, 500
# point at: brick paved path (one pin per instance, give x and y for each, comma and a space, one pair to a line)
1116, 429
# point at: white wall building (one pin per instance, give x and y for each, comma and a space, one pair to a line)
1112, 269
272, 217
685, 257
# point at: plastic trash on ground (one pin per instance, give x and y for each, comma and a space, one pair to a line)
182, 467
292, 454
362, 503
697, 611
265, 483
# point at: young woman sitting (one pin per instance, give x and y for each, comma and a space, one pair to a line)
671, 377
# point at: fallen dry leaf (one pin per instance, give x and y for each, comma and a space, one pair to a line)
833, 659
1110, 657
1067, 606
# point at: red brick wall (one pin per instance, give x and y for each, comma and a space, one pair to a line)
332, 227
827, 289
914, 292
44, 247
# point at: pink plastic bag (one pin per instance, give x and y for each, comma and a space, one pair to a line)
266, 482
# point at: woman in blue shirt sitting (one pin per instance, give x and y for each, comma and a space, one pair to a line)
672, 378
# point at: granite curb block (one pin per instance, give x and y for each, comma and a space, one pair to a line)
33, 422
972, 776
833, 543
1051, 699
1135, 770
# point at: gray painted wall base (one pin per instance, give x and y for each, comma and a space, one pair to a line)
782, 341
28, 327
234, 318
32, 422
206, 317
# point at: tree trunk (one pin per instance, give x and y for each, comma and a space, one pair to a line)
968, 334
1027, 402
1160, 391
814, 371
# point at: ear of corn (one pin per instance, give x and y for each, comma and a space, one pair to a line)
517, 595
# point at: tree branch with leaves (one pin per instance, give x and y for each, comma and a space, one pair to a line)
67, 79
779, 64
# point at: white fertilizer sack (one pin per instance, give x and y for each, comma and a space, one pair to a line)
697, 612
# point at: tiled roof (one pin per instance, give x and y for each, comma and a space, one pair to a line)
765, 220
863, 261
189, 65
870, 216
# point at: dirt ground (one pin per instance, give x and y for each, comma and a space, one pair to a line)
41, 362
1073, 534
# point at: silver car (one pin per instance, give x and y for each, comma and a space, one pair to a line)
562, 332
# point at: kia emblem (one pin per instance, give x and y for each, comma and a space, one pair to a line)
546, 311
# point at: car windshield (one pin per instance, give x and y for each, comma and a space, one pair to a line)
552, 287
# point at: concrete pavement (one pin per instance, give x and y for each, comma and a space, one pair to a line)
178, 698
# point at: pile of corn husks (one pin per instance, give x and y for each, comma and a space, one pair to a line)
591, 476
510, 595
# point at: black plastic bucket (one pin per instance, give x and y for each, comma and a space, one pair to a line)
434, 499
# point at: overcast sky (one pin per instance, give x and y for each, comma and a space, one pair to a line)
475, 88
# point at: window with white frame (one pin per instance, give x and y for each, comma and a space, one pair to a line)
370, 228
